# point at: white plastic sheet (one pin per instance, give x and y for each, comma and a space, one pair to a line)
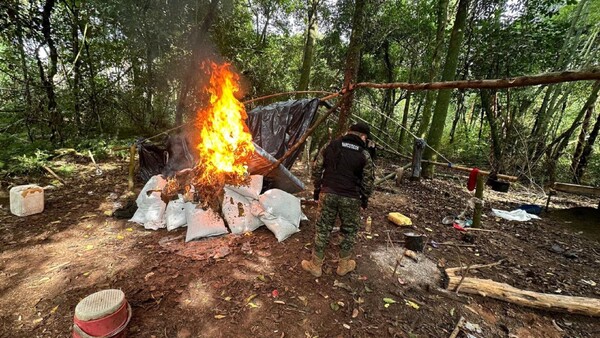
151, 208
237, 212
515, 215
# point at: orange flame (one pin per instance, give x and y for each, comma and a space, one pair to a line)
225, 143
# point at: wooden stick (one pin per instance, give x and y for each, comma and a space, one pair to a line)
474, 267
467, 169
478, 205
456, 330
289, 93
130, 179
54, 174
521, 81
303, 138
462, 278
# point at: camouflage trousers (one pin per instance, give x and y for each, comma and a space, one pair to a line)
330, 207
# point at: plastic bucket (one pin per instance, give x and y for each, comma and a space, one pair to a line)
103, 314
414, 242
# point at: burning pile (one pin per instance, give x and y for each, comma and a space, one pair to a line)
218, 195
224, 144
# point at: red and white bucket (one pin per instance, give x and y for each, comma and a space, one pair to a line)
103, 314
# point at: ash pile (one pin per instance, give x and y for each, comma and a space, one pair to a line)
241, 208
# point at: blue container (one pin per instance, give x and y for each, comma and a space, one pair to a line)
531, 209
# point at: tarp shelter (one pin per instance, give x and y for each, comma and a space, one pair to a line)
275, 129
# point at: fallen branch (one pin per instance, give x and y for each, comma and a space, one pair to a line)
457, 328
502, 291
54, 174
473, 267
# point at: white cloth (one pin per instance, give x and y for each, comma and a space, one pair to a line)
515, 215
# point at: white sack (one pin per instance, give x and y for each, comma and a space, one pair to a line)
202, 223
515, 215
252, 190
175, 214
281, 213
151, 208
237, 212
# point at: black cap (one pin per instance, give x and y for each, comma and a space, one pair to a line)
362, 128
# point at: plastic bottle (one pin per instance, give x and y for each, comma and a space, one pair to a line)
368, 225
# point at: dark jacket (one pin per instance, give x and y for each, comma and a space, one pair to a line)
345, 168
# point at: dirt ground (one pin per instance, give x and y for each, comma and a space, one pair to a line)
253, 286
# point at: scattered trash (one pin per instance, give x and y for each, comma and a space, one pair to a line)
515, 215
275, 293
354, 313
588, 282
556, 249
399, 219
570, 255
448, 220
346, 326
472, 327
411, 254
412, 304
388, 301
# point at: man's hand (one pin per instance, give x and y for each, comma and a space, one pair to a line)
316, 193
364, 202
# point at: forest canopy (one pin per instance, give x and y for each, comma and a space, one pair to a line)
94, 74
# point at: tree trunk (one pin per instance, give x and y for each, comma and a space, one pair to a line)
443, 98
13, 14
587, 152
76, 66
486, 104
48, 78
198, 38
352, 64
442, 17
92, 80
311, 36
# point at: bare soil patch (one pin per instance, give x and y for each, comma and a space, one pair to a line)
253, 286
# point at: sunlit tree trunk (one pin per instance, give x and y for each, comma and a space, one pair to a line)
442, 17
436, 131
587, 152
309, 45
47, 78
352, 64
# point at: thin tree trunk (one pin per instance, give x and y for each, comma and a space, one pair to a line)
442, 17
436, 131
587, 152
48, 78
311, 36
13, 13
487, 104
352, 64
76, 65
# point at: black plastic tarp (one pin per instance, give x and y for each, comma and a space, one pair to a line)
274, 128
278, 126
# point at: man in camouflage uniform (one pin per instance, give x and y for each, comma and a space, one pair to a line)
343, 176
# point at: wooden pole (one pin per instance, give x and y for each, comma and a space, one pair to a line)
418, 148
304, 137
467, 169
130, 180
522, 81
478, 205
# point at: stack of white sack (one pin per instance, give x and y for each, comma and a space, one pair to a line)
151, 208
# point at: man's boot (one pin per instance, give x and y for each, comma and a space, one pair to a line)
313, 266
345, 265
